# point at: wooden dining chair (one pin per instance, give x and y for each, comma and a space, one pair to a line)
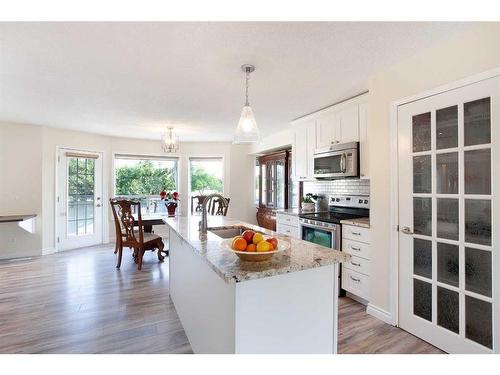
215, 206
126, 235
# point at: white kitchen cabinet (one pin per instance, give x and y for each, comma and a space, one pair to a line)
356, 272
303, 148
347, 124
288, 225
326, 128
364, 159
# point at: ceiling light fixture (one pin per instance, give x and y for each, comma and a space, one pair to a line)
170, 143
247, 130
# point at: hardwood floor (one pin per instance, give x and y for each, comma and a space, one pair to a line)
77, 302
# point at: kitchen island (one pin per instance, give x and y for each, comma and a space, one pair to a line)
285, 305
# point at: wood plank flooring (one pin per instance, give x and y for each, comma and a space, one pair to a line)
77, 302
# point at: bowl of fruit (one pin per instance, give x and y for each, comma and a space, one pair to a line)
254, 247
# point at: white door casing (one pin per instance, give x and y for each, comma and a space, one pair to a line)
79, 203
451, 259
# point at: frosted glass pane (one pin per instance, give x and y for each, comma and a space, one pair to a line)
447, 173
422, 174
477, 122
478, 221
447, 263
478, 271
422, 132
422, 299
447, 218
448, 310
422, 257
447, 127
477, 171
478, 321
422, 215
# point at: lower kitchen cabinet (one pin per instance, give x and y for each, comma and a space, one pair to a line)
356, 272
288, 225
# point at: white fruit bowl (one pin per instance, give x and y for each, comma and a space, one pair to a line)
254, 256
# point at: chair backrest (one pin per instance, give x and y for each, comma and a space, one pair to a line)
215, 206
123, 210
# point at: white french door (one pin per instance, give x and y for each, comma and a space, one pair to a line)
449, 218
79, 199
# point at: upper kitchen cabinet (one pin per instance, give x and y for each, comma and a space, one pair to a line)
337, 124
303, 148
364, 160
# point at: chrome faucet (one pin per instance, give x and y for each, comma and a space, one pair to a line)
204, 213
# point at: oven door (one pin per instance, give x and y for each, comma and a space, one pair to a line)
324, 237
336, 164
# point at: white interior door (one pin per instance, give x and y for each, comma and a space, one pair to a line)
79, 199
449, 218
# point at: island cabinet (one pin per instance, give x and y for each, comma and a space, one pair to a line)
287, 305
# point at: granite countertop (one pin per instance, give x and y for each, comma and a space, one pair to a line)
302, 255
359, 222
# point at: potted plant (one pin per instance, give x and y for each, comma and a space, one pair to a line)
308, 203
172, 202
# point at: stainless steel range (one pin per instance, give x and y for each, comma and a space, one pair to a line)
324, 228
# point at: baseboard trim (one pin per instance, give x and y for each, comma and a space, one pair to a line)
49, 250
379, 313
357, 298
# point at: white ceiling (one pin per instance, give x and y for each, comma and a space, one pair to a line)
132, 79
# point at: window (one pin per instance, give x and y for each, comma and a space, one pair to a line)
205, 177
144, 177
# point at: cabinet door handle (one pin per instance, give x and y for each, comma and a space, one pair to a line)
356, 233
355, 279
356, 248
356, 264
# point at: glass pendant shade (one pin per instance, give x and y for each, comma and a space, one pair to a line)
170, 142
247, 130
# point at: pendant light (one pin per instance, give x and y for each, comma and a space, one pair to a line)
170, 143
247, 130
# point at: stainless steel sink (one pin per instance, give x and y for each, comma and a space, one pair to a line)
229, 231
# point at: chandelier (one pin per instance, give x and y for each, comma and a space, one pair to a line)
247, 130
170, 143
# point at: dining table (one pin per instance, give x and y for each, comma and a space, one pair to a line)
149, 220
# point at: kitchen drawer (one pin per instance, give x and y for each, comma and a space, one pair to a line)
288, 230
358, 249
292, 220
355, 233
356, 283
358, 264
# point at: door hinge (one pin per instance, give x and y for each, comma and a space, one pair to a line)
57, 239
57, 199
58, 159
397, 228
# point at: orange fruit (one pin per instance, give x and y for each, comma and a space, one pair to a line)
239, 244
257, 237
264, 246
252, 247
234, 239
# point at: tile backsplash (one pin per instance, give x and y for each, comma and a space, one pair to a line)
332, 187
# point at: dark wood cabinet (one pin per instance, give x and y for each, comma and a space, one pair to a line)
274, 186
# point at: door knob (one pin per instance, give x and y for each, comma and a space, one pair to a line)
406, 230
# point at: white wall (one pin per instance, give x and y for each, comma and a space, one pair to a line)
475, 51
28, 167
20, 188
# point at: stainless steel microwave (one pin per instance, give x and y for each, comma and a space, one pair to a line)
337, 161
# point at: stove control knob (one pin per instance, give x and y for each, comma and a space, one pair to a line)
338, 199
366, 201
360, 201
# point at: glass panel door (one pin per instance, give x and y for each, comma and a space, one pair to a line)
79, 199
446, 189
